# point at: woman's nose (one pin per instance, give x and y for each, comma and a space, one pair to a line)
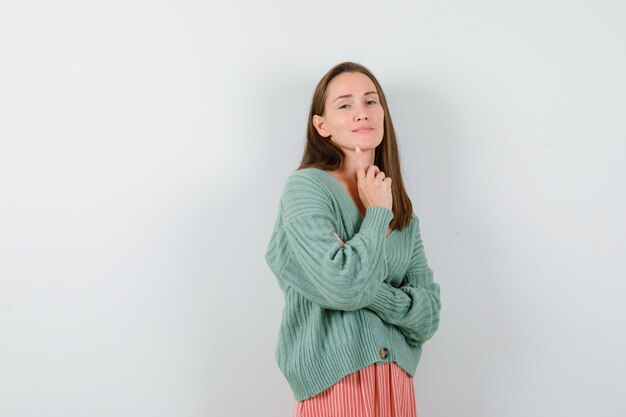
360, 114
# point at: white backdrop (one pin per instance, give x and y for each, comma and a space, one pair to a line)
144, 146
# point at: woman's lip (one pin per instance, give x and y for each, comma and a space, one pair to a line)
363, 130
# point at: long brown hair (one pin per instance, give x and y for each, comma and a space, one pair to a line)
322, 153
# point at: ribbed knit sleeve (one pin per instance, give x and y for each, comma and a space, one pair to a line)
415, 306
335, 276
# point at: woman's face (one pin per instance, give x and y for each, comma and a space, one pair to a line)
353, 114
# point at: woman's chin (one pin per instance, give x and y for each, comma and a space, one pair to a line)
366, 145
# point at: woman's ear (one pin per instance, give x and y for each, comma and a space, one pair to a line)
319, 123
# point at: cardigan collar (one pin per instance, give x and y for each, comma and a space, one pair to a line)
342, 194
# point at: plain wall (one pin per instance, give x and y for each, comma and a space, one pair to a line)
145, 144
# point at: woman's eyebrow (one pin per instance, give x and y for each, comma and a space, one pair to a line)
350, 95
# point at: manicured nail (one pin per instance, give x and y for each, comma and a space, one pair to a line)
338, 238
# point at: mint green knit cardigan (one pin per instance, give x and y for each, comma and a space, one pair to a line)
346, 302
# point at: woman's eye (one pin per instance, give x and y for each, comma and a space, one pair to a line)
368, 101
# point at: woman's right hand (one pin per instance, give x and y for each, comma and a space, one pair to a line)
374, 187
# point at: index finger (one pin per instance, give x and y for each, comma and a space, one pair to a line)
360, 165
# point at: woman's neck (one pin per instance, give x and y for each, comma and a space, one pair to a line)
347, 171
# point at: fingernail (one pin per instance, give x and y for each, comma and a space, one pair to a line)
338, 238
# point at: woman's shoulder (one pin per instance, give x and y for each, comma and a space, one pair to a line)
306, 189
311, 173
309, 180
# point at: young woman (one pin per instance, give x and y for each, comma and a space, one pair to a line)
360, 300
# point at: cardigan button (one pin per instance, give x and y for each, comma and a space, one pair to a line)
383, 353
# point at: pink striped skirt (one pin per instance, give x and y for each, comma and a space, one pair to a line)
378, 390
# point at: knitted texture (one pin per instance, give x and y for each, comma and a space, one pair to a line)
351, 292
